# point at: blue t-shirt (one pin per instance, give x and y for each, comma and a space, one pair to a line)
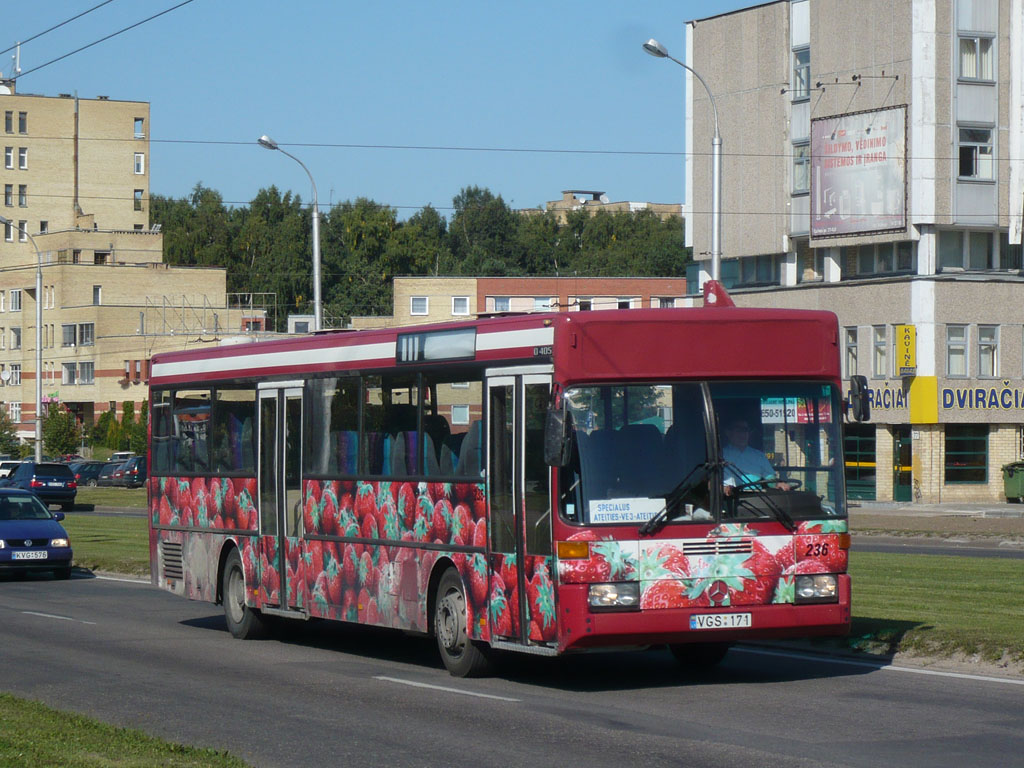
747, 465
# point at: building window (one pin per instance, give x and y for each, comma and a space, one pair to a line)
759, 270
44, 226
140, 127
976, 156
15, 374
140, 163
86, 373
988, 351
584, 305
460, 305
23, 122
976, 58
69, 373
956, 351
9, 158
16, 300
966, 250
69, 334
851, 352
138, 199
666, 302
801, 168
460, 414
8, 195
966, 453
100, 257
23, 158
1009, 255
878, 369
23, 195
9, 121
541, 303
9, 231
418, 305
15, 338
801, 74
14, 409
502, 304
97, 295
22, 231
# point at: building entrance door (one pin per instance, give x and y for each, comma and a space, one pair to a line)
902, 455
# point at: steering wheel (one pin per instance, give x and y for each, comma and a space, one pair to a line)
769, 482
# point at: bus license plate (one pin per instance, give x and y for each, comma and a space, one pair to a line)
32, 554
719, 620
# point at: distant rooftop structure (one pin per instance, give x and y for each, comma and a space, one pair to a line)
594, 200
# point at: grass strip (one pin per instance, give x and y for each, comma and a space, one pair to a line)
34, 736
112, 497
114, 543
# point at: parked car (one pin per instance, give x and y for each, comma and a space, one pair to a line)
32, 537
122, 456
86, 472
52, 483
6, 467
133, 472
106, 476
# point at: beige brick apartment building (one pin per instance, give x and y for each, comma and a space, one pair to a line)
76, 176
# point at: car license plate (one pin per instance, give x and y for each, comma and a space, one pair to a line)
32, 554
56, 485
719, 620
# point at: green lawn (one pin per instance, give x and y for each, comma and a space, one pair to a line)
35, 736
115, 543
112, 497
938, 605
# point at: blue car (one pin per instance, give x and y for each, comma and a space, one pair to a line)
31, 537
53, 483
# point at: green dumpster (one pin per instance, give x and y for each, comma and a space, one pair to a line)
1013, 481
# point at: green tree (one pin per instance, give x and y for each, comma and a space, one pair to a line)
482, 235
60, 432
8, 435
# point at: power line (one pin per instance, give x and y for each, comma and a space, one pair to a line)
55, 26
104, 39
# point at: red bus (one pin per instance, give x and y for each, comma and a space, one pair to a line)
542, 483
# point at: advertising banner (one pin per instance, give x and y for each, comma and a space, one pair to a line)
858, 173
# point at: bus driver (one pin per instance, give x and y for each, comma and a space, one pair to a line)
744, 463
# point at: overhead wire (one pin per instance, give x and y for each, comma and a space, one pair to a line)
55, 26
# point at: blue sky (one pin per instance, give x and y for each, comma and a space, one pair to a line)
528, 75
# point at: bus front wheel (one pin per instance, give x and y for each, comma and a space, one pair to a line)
461, 656
243, 622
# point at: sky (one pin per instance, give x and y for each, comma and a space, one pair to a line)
378, 98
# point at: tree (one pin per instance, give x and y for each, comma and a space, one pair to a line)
8, 435
60, 431
482, 235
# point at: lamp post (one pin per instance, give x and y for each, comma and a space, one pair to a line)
318, 309
658, 50
39, 337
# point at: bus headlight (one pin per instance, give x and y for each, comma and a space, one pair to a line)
817, 588
620, 596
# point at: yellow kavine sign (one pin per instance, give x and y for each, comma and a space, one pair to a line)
906, 350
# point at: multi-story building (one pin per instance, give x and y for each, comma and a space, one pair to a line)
76, 206
874, 166
593, 201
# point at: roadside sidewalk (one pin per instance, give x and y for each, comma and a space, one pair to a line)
1004, 522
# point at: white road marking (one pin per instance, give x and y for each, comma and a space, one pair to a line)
127, 581
442, 688
54, 616
881, 666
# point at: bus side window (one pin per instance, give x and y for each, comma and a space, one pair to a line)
470, 459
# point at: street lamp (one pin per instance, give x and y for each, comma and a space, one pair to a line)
318, 309
39, 337
658, 50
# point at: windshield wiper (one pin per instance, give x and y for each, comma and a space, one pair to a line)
674, 497
758, 487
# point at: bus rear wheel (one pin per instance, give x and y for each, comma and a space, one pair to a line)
461, 656
699, 657
243, 622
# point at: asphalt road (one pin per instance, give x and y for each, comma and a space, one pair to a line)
129, 654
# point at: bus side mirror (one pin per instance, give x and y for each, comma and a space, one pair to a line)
860, 408
556, 442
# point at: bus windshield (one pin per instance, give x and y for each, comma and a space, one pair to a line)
639, 448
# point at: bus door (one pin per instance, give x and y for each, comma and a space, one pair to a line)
280, 495
522, 597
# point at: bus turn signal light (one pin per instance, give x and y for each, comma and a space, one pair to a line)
844, 541
574, 550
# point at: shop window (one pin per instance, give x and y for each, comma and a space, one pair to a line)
966, 454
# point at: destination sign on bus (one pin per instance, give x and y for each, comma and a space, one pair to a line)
790, 410
625, 510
